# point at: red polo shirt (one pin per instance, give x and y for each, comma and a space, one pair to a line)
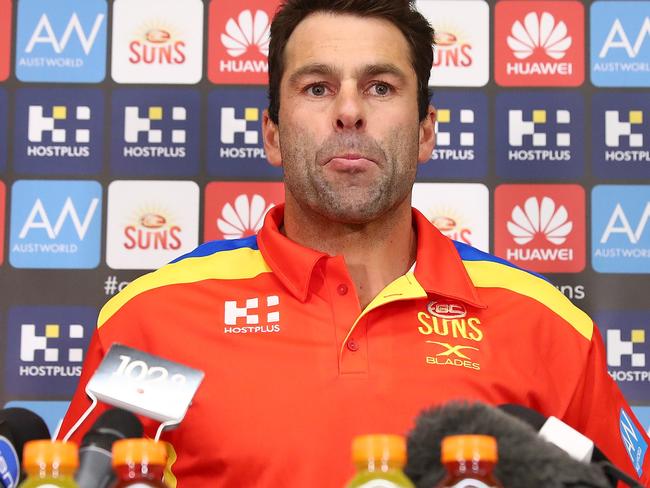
294, 368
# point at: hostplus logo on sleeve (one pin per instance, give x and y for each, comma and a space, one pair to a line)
5, 38
238, 41
63, 41
55, 224
461, 141
539, 43
156, 132
620, 43
620, 234
621, 126
540, 135
235, 146
59, 131
51, 343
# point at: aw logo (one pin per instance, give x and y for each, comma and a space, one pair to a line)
59, 131
55, 224
238, 41
539, 43
540, 135
621, 128
462, 53
461, 141
234, 210
235, 146
150, 223
156, 132
620, 43
620, 234
157, 41
541, 227
5, 38
627, 338
459, 210
3, 196
3, 129
50, 343
63, 42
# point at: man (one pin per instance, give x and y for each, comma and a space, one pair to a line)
349, 313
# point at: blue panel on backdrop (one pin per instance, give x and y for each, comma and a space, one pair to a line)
235, 148
539, 135
461, 136
643, 415
155, 132
51, 412
3, 129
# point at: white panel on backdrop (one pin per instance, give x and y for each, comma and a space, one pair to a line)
150, 223
461, 211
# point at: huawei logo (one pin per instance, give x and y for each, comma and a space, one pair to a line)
539, 33
245, 218
249, 30
540, 218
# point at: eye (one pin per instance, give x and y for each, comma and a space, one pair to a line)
381, 89
317, 90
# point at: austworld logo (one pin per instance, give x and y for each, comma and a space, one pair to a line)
50, 342
462, 53
62, 42
59, 131
157, 41
540, 135
55, 224
234, 210
541, 227
238, 41
156, 132
620, 234
539, 43
5, 38
620, 43
621, 126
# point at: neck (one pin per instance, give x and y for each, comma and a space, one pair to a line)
376, 253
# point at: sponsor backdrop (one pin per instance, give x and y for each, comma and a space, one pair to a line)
130, 133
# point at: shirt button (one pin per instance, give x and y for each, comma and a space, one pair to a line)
353, 346
342, 289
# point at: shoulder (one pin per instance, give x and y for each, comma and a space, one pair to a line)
489, 271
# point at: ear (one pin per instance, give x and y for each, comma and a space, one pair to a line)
427, 135
271, 135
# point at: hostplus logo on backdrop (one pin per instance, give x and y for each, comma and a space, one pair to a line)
628, 351
236, 209
5, 38
59, 131
63, 41
150, 223
156, 132
620, 230
238, 41
55, 224
50, 348
462, 53
620, 43
541, 227
539, 43
540, 135
235, 146
157, 41
621, 126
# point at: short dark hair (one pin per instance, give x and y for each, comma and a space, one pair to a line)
401, 13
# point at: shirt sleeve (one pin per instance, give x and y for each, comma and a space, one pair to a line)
599, 410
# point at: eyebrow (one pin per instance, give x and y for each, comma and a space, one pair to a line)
328, 70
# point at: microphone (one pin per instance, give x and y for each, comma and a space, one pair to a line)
17, 427
525, 460
95, 456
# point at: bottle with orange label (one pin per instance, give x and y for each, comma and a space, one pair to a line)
50, 464
139, 463
469, 460
379, 460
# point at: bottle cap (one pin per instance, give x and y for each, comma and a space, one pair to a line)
469, 447
139, 451
379, 447
58, 454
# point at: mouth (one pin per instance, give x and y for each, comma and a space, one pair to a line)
350, 163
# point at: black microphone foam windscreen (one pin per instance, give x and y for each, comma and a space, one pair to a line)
110, 426
20, 426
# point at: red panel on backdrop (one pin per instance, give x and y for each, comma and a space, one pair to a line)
5, 38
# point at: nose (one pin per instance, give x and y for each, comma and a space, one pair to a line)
349, 109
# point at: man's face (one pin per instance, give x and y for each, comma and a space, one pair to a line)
348, 136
